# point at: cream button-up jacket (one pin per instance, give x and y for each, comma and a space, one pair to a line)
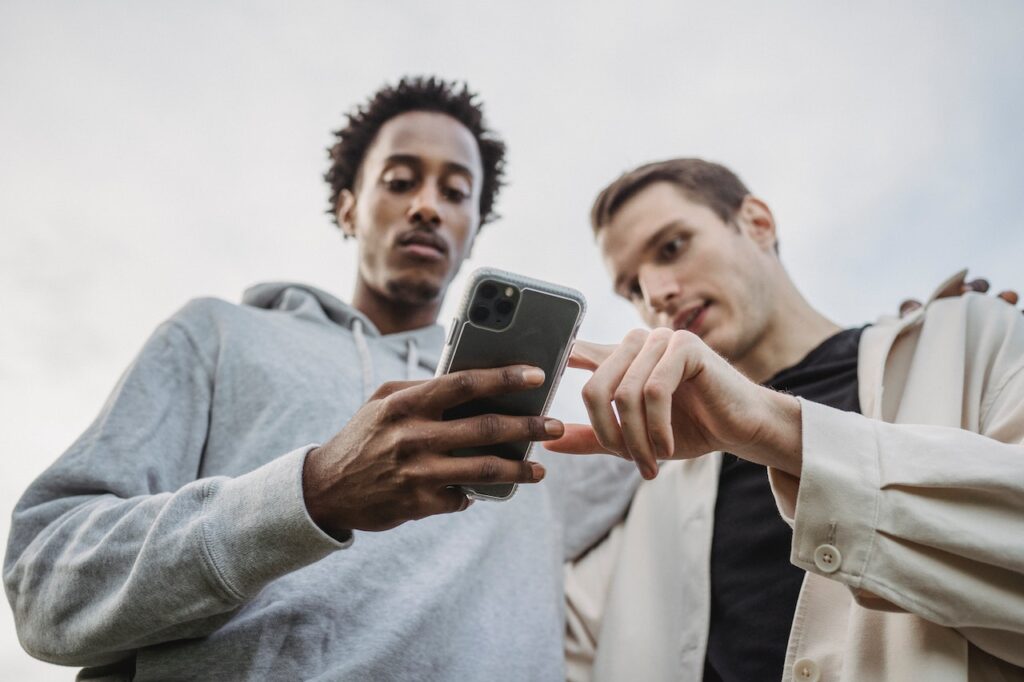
909, 521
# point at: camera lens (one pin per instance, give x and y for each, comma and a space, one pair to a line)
479, 314
503, 307
488, 291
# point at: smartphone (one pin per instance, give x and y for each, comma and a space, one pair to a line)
508, 319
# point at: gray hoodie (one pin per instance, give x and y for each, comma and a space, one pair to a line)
171, 541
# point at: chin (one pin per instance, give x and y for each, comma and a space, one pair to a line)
720, 343
414, 290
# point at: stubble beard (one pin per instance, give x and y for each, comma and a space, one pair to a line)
413, 292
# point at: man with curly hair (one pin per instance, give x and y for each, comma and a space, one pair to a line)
209, 524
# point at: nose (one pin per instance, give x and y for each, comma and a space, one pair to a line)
660, 288
424, 207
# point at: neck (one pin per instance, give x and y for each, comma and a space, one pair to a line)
391, 316
793, 330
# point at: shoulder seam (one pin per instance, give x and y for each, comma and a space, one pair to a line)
194, 345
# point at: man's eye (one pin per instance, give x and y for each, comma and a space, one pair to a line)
454, 195
399, 184
672, 247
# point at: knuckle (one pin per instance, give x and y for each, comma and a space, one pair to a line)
624, 395
524, 473
405, 483
391, 445
490, 469
660, 335
464, 382
655, 391
683, 338
592, 392
510, 378
489, 427
393, 407
535, 428
426, 441
409, 442
384, 390
636, 336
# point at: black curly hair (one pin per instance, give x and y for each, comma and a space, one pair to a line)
415, 94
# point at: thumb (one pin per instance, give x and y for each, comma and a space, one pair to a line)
587, 355
578, 439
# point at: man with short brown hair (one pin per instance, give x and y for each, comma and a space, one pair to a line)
890, 451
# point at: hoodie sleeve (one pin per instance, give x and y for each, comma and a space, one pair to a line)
591, 495
118, 545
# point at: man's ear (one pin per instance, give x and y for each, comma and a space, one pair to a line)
759, 221
345, 213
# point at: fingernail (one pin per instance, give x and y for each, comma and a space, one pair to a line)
553, 427
533, 375
537, 471
980, 285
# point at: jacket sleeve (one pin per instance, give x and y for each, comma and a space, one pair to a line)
118, 545
924, 519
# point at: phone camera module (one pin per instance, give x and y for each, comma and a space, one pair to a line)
479, 314
494, 304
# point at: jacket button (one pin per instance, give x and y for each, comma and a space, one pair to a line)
827, 558
806, 670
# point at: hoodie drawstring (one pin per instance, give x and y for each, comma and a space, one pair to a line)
364, 356
412, 358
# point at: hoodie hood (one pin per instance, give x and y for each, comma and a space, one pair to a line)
421, 346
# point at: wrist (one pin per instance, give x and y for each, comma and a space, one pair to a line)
780, 439
316, 494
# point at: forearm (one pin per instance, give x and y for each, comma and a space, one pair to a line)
108, 575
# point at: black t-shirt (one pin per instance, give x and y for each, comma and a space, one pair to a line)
754, 587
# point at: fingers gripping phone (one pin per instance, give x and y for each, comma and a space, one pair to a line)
508, 319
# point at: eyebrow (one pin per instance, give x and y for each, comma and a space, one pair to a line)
417, 162
675, 224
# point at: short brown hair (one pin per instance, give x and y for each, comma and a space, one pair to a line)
711, 184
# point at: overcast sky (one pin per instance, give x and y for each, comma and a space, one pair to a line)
150, 154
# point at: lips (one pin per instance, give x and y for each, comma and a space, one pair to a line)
423, 243
691, 318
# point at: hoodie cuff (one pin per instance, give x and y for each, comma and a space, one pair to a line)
256, 527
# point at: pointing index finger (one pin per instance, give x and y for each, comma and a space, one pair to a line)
587, 355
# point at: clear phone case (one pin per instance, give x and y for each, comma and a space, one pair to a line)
539, 332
